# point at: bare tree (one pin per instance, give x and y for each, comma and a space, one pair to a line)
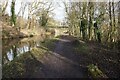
13, 16
4, 7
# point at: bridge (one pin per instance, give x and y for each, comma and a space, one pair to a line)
59, 30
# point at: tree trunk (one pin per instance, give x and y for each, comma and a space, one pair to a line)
110, 23
90, 21
13, 17
118, 37
113, 27
4, 8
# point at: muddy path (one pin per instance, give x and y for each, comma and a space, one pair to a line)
62, 58
61, 63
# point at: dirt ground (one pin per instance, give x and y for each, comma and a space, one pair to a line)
66, 59
86, 53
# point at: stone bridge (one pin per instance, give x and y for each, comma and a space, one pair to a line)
60, 30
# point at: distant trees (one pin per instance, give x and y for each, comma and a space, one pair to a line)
112, 22
94, 20
38, 14
3, 16
98, 21
44, 14
3, 7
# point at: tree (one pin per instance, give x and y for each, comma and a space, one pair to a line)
114, 22
110, 23
4, 7
20, 16
118, 37
13, 16
39, 12
82, 15
44, 17
90, 19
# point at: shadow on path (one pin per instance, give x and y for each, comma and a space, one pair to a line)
62, 62
58, 63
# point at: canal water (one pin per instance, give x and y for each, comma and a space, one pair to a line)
15, 47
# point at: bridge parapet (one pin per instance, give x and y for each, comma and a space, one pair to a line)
59, 31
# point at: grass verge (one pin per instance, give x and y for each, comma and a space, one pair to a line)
95, 72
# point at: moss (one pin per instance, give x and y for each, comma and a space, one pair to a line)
18, 68
15, 68
95, 72
38, 52
58, 36
49, 43
5, 33
82, 48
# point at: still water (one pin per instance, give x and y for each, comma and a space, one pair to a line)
14, 48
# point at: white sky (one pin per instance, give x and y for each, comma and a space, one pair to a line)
58, 11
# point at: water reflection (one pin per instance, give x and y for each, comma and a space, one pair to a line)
10, 55
13, 49
16, 52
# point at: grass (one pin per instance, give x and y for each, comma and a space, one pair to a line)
18, 68
38, 52
95, 72
58, 36
49, 43
15, 68
82, 48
